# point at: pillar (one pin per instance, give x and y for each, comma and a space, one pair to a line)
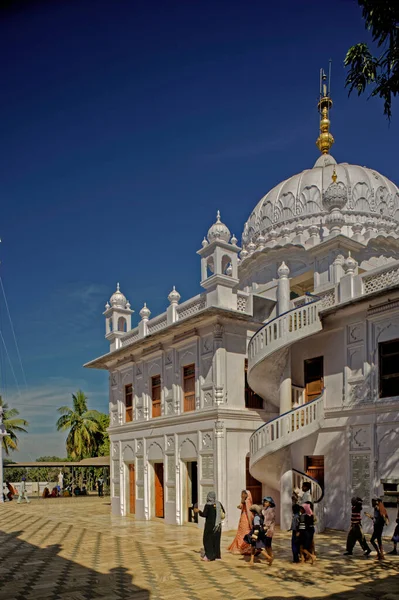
286, 493
283, 289
286, 387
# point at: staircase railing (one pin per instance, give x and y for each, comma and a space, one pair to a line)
316, 489
284, 329
284, 426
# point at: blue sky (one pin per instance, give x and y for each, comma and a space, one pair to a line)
124, 127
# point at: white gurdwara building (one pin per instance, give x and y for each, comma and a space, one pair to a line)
286, 367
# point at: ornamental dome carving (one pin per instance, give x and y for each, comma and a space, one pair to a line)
118, 299
308, 197
219, 231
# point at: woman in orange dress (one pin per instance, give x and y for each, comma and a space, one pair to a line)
239, 546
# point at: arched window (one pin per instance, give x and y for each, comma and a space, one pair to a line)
110, 324
210, 267
122, 325
226, 260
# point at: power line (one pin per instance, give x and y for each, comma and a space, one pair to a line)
13, 333
9, 360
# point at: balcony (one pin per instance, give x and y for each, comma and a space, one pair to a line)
286, 429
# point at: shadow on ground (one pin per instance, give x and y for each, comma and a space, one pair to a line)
28, 571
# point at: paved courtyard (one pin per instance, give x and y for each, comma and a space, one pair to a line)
72, 549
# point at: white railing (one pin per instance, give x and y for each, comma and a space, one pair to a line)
130, 337
298, 478
157, 323
284, 330
191, 307
287, 428
243, 302
297, 395
383, 278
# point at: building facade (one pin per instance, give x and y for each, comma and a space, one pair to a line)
286, 367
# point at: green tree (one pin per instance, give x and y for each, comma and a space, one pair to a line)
380, 72
82, 424
13, 426
102, 437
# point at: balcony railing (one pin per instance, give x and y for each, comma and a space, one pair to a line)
287, 428
289, 327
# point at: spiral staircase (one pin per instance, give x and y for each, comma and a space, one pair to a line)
274, 443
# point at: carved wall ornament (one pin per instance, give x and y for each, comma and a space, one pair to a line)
355, 333
114, 379
208, 399
207, 441
218, 331
206, 345
219, 429
360, 438
168, 358
171, 443
139, 369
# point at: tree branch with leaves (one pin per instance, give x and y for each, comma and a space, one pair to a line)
380, 72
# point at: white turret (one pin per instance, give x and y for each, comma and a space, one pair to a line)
118, 318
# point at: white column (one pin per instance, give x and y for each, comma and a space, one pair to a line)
284, 305
286, 386
220, 462
283, 289
286, 494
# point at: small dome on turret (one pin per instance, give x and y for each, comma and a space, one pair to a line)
219, 231
117, 298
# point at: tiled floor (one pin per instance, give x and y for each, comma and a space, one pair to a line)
73, 549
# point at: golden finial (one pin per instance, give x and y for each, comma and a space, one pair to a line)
325, 139
334, 175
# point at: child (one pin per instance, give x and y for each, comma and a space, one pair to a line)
295, 545
256, 537
306, 533
269, 520
356, 533
395, 538
380, 519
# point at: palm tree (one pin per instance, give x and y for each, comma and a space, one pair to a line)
82, 424
12, 426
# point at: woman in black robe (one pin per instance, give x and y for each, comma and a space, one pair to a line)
213, 513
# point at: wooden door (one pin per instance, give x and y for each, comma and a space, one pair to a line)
132, 490
159, 490
252, 485
314, 378
314, 467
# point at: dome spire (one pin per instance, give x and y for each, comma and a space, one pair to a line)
325, 139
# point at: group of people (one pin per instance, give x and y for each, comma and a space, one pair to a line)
257, 523
380, 520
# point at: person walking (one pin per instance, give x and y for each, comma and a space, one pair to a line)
395, 537
355, 533
380, 519
306, 495
256, 537
22, 492
213, 514
306, 533
239, 545
100, 486
295, 545
269, 521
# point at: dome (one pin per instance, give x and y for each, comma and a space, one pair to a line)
347, 194
219, 231
118, 299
